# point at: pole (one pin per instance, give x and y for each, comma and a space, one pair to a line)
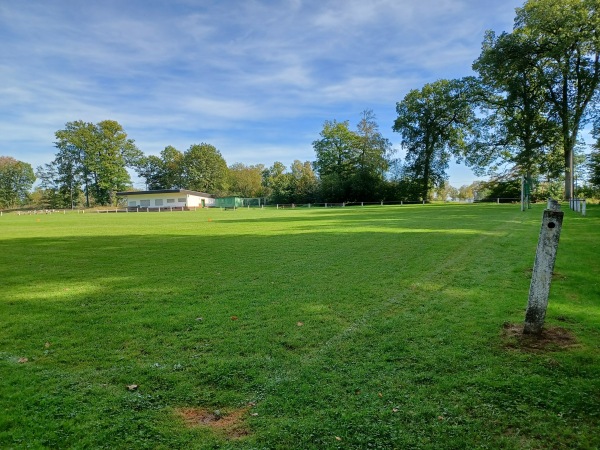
543, 267
522, 193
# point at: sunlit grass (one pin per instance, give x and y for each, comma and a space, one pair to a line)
374, 327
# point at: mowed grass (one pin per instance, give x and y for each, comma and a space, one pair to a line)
374, 327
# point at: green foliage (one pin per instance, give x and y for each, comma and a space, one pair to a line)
277, 183
521, 130
393, 340
164, 172
93, 159
16, 180
304, 182
351, 164
566, 47
204, 169
246, 180
434, 123
594, 165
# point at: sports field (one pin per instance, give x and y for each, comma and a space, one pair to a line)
357, 327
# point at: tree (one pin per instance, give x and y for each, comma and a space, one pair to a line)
173, 167
16, 180
565, 36
74, 143
278, 183
164, 171
246, 181
95, 157
434, 123
304, 183
336, 154
594, 165
54, 193
107, 165
521, 130
373, 158
351, 164
204, 169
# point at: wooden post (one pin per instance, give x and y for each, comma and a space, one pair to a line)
583, 207
543, 267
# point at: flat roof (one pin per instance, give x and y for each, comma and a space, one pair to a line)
165, 191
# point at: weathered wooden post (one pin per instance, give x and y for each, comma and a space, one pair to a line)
543, 267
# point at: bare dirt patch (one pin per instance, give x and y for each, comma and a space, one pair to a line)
230, 423
551, 339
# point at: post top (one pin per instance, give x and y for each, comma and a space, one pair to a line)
554, 205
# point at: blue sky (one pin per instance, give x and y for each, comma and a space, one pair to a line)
256, 79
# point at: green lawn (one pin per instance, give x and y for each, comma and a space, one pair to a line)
374, 327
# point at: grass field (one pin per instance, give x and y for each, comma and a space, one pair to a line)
374, 327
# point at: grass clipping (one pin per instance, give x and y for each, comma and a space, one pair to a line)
551, 339
230, 424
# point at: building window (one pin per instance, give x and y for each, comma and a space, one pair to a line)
132, 203
145, 203
181, 200
170, 200
158, 202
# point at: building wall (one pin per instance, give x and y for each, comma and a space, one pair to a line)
172, 199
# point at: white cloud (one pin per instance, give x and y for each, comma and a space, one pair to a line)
253, 77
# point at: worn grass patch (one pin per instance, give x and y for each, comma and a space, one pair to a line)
231, 424
552, 338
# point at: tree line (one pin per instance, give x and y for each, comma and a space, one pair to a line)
521, 115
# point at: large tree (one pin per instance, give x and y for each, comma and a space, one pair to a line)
204, 169
336, 154
351, 164
594, 163
565, 36
522, 131
164, 171
434, 122
246, 180
114, 153
95, 157
303, 181
373, 158
16, 180
277, 183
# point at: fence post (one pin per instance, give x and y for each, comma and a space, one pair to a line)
543, 267
498, 200
583, 207
381, 202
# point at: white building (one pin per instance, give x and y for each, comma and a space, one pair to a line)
166, 198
